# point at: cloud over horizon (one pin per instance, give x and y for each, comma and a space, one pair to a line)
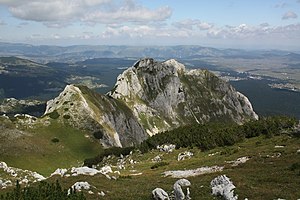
289, 15
60, 13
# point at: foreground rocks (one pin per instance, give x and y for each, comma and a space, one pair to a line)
178, 189
181, 191
12, 174
160, 194
222, 186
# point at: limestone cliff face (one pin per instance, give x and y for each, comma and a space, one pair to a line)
112, 120
164, 95
148, 98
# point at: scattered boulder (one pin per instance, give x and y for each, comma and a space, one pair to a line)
105, 170
157, 159
178, 192
239, 161
101, 193
166, 147
84, 171
12, 174
222, 186
81, 185
5, 183
78, 186
160, 194
60, 172
213, 154
37, 176
184, 155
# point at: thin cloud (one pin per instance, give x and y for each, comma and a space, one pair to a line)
129, 12
281, 5
244, 31
190, 24
289, 15
264, 24
2, 23
205, 26
240, 32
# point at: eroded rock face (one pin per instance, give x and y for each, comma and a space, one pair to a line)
164, 95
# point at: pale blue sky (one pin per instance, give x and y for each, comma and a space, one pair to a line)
218, 23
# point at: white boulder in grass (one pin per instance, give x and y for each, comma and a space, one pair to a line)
101, 193
37, 176
157, 159
222, 186
160, 194
60, 172
166, 147
184, 155
84, 171
106, 169
178, 191
78, 186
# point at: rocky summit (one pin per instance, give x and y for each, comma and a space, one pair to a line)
148, 98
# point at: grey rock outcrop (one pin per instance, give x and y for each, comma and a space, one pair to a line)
160, 194
184, 155
222, 186
166, 147
178, 191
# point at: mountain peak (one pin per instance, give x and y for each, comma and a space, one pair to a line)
145, 62
151, 97
165, 95
174, 63
151, 65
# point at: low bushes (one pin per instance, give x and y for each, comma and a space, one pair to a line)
116, 151
211, 135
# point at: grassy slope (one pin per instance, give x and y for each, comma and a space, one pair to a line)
262, 177
39, 153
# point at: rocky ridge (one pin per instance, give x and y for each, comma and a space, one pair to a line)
148, 98
109, 120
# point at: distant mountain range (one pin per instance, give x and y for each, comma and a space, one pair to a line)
46, 53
